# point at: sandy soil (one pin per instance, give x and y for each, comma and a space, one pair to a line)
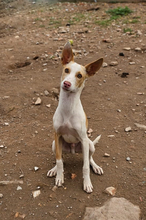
31, 42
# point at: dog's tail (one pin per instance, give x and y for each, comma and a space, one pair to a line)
96, 139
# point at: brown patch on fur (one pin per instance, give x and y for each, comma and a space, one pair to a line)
86, 121
64, 74
80, 81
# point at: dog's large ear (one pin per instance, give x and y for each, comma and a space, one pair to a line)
93, 67
67, 54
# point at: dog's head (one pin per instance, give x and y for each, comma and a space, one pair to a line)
74, 74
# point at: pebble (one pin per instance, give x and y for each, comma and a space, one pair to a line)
137, 49
36, 168
111, 136
128, 129
111, 190
38, 101
132, 63
127, 48
19, 188
128, 158
1, 146
48, 106
104, 64
36, 193
1, 196
106, 155
46, 92
113, 63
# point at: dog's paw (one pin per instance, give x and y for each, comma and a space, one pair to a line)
59, 179
87, 185
52, 172
97, 169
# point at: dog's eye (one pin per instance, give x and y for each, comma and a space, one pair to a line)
79, 75
66, 70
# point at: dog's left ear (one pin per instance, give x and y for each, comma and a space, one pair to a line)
67, 54
93, 67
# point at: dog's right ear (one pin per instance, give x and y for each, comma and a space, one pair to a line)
67, 54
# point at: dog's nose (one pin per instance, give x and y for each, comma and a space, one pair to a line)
67, 84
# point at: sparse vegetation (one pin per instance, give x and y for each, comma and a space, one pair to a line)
127, 30
118, 12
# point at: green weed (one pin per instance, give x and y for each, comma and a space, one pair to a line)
118, 12
127, 30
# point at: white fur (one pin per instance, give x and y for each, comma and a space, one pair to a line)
69, 122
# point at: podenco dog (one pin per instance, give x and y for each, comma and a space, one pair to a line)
70, 121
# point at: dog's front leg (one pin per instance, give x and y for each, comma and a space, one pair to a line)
59, 163
87, 185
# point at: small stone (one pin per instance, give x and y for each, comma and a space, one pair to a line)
132, 63
113, 63
19, 188
106, 155
1, 196
110, 190
48, 106
36, 168
140, 126
139, 32
118, 110
104, 65
128, 158
6, 124
38, 101
55, 91
121, 54
2, 146
127, 48
46, 92
36, 193
124, 75
17, 37
137, 49
128, 129
106, 40
111, 136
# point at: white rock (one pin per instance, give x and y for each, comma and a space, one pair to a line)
38, 101
36, 168
139, 32
48, 106
19, 188
140, 126
1, 146
104, 64
36, 193
128, 129
110, 190
132, 63
1, 196
137, 49
127, 48
111, 136
106, 155
113, 63
113, 209
128, 158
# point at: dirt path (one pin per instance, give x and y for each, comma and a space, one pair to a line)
31, 41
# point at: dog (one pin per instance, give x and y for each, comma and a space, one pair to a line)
70, 121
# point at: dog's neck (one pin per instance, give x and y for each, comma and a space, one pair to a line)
69, 101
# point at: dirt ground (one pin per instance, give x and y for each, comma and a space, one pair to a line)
31, 41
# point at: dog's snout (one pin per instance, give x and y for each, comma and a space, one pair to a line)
67, 84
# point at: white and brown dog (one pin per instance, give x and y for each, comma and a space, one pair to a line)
70, 121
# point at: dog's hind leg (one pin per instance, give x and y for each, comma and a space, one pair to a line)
95, 167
